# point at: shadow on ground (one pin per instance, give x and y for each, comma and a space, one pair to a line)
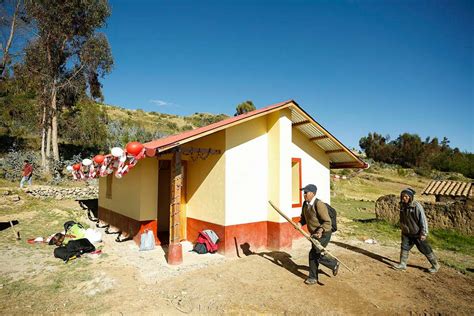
389, 262
281, 259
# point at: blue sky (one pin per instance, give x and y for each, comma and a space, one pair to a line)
356, 66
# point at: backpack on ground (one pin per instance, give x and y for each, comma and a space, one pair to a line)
69, 224
74, 248
333, 214
200, 248
206, 242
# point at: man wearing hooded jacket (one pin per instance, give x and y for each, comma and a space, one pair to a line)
414, 228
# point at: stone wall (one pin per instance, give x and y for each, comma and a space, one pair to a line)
457, 215
62, 193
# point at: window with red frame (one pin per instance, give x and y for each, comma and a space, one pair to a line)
296, 199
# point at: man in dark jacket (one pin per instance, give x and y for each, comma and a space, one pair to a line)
315, 214
414, 231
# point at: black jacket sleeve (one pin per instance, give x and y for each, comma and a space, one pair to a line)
302, 218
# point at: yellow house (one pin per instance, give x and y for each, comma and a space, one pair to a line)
222, 176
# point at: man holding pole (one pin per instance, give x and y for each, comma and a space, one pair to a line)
315, 215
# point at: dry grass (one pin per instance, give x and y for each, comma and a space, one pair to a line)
355, 198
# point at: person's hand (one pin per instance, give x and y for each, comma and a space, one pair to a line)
318, 234
299, 225
422, 237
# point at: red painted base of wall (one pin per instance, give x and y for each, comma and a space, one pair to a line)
234, 239
245, 238
130, 226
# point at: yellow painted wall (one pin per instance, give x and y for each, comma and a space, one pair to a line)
135, 194
254, 166
206, 181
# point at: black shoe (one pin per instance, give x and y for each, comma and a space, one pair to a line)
310, 281
336, 269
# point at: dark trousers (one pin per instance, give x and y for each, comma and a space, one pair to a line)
422, 245
315, 257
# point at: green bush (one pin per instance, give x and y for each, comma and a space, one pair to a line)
402, 172
186, 127
172, 125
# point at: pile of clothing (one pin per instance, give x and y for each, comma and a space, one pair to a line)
74, 241
206, 242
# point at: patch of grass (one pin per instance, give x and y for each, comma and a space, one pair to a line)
381, 231
464, 266
453, 249
19, 287
353, 209
376, 181
364, 223
451, 240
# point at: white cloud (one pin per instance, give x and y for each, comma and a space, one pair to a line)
162, 103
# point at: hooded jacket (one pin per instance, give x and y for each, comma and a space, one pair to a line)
413, 220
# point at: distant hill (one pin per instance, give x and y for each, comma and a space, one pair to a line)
382, 179
166, 124
89, 125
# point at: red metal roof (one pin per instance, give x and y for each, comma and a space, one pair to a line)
340, 155
173, 139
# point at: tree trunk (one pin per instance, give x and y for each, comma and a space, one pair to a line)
43, 139
54, 123
3, 65
48, 140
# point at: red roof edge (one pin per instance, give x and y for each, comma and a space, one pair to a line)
166, 141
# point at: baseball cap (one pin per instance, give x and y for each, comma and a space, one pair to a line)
309, 188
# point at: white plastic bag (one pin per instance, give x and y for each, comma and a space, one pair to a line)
93, 235
147, 241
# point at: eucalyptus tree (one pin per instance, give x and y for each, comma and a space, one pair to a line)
244, 107
67, 59
14, 29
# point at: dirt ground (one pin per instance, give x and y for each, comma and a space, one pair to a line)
123, 280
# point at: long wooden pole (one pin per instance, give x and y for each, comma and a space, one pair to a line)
305, 234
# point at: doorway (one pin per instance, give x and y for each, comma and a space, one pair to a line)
164, 193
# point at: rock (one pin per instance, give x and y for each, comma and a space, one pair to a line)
14, 198
59, 193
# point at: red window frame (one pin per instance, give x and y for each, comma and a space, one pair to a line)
298, 161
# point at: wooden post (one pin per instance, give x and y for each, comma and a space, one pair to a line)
175, 252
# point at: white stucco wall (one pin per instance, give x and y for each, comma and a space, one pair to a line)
246, 172
258, 168
314, 167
